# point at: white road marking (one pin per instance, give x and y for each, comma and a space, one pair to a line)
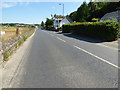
95, 44
51, 35
97, 57
61, 39
107, 46
48, 33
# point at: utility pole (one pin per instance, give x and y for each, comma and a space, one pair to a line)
63, 8
63, 11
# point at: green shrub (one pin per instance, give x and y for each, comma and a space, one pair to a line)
59, 28
7, 54
50, 27
24, 37
94, 20
66, 28
20, 42
102, 30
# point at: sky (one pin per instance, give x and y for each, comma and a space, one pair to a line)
34, 12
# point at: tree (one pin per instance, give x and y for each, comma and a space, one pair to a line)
49, 23
82, 13
103, 8
73, 15
42, 24
57, 16
93, 10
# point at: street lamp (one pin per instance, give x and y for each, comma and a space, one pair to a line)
63, 8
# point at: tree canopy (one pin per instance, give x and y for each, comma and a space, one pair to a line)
49, 23
42, 24
56, 16
86, 12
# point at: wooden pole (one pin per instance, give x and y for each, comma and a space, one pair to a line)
17, 31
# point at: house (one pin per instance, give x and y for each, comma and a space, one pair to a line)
111, 16
58, 22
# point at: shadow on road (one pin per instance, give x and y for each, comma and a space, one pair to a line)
83, 38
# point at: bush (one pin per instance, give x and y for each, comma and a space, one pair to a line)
59, 28
101, 30
94, 20
66, 28
7, 54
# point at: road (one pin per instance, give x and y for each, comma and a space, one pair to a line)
54, 60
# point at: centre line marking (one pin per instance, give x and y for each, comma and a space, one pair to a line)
61, 39
97, 57
51, 35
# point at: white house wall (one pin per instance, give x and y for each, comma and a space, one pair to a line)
64, 21
56, 23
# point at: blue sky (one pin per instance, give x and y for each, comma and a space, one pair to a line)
34, 12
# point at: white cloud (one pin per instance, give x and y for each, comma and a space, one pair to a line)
12, 4
7, 5
27, 3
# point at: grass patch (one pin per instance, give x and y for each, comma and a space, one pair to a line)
10, 32
25, 37
7, 54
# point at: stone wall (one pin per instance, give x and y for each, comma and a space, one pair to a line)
12, 43
0, 53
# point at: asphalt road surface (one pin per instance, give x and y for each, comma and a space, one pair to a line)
62, 61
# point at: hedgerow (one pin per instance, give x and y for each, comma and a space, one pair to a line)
103, 30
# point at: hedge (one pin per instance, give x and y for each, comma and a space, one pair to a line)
107, 30
95, 20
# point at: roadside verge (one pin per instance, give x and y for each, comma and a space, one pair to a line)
11, 68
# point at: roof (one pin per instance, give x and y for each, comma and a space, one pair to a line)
64, 18
69, 19
118, 8
110, 15
58, 18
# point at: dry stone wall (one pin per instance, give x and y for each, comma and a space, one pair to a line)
12, 43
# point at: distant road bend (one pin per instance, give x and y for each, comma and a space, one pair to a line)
54, 60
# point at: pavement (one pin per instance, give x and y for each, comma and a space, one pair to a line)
54, 60
113, 44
